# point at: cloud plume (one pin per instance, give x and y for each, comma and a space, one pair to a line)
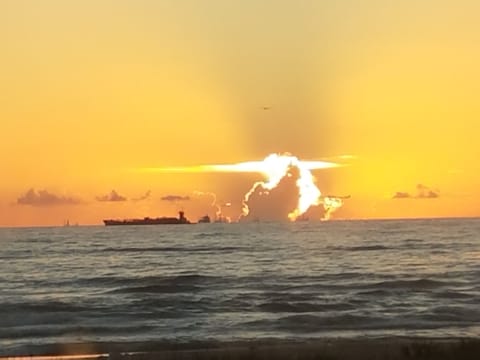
275, 204
45, 198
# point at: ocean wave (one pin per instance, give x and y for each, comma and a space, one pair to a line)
56, 313
21, 332
219, 234
166, 249
309, 323
314, 323
375, 293
416, 284
455, 313
302, 307
40, 307
163, 284
19, 317
452, 294
155, 289
147, 280
412, 240
359, 248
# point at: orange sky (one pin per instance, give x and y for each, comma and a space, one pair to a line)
90, 90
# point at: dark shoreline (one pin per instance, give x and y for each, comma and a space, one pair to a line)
313, 349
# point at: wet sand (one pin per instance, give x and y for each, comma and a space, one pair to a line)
322, 349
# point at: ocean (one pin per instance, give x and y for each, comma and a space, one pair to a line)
184, 283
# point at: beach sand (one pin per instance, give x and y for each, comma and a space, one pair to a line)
322, 349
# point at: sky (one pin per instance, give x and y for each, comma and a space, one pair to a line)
91, 92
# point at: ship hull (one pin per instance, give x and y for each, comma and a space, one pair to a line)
143, 222
181, 220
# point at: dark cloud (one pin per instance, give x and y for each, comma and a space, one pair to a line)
45, 198
175, 198
423, 192
144, 197
112, 197
275, 204
401, 195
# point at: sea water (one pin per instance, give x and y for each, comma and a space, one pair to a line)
239, 281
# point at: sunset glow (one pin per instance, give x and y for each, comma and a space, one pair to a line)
273, 164
106, 102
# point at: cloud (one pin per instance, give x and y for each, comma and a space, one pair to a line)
112, 197
423, 192
144, 197
175, 198
45, 198
401, 195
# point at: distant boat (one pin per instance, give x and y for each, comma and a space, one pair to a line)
66, 223
302, 218
204, 219
222, 219
150, 221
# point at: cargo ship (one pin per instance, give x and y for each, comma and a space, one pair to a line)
150, 221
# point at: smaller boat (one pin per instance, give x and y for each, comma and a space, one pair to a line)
302, 218
222, 219
204, 219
